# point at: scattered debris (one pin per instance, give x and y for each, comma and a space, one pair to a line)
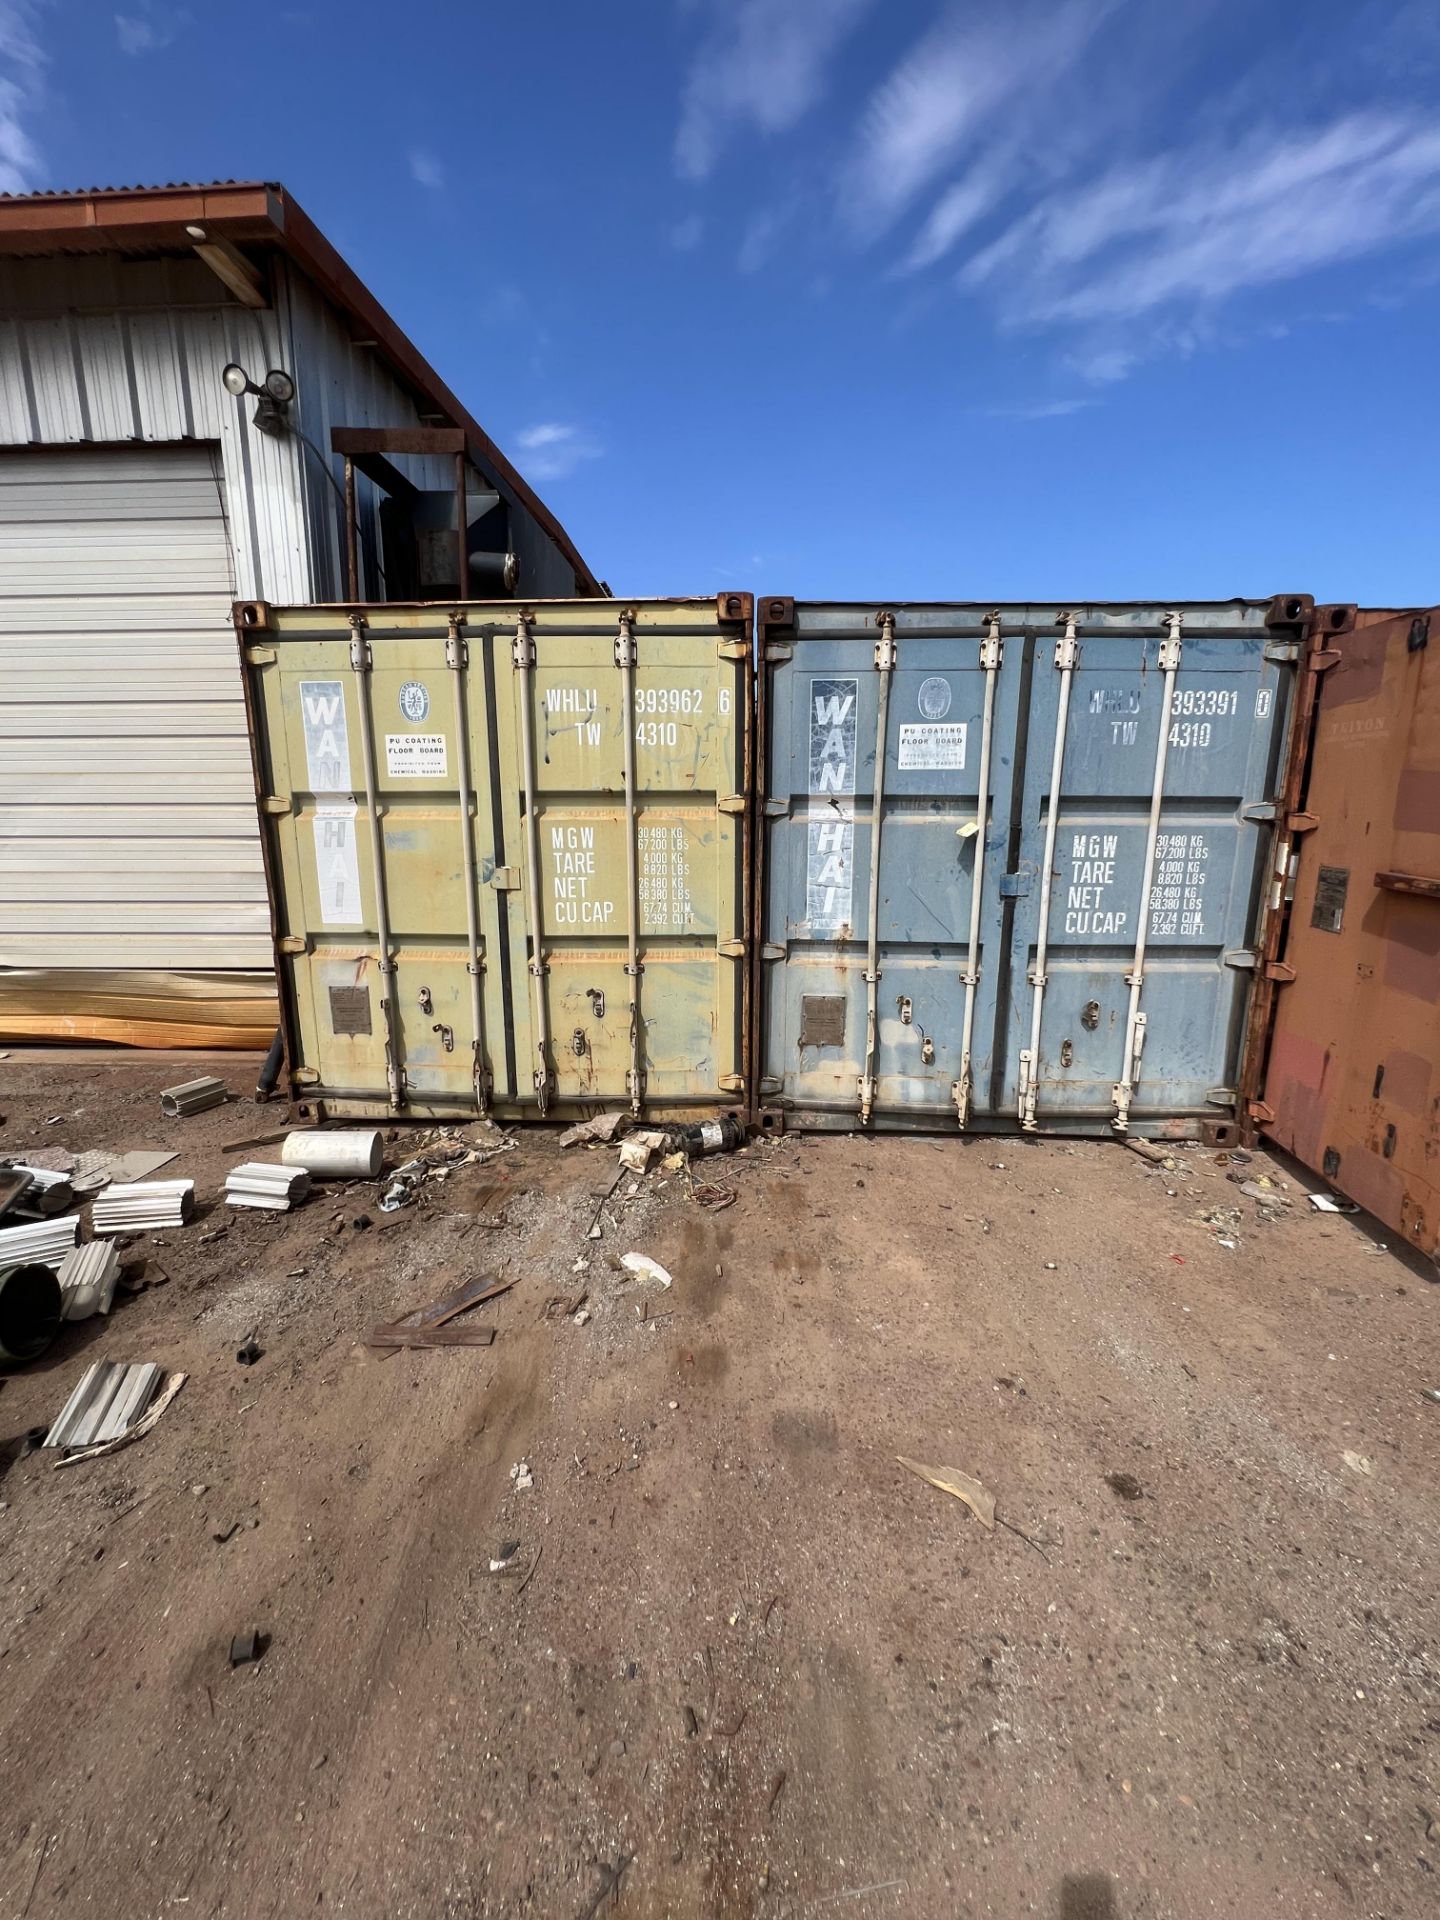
640, 1148
254, 1183
1359, 1463
601, 1199
1331, 1203
140, 1427
13, 1184
951, 1480
644, 1268
45, 1242
356, 1155
1147, 1149
44, 1193
98, 1168
31, 1309
248, 1647
147, 1204
193, 1096
601, 1131
88, 1276
1431, 1393
610, 1877
1126, 1485
522, 1477
442, 1153
506, 1555
110, 1398
474, 1293
430, 1337
725, 1135
247, 1355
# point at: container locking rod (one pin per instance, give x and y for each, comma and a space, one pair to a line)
991, 654
523, 655
360, 666
885, 667
625, 661
1067, 653
1135, 978
457, 661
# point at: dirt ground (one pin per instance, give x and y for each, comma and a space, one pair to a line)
739, 1645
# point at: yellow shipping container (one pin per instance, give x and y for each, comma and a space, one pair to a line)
508, 852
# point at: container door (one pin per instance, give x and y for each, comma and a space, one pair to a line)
1081, 1043
820, 804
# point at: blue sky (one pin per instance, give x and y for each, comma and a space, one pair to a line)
863, 298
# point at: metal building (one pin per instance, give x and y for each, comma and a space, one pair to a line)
139, 497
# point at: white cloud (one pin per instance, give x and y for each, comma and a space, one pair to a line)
1041, 409
22, 65
956, 91
687, 234
762, 64
553, 449
152, 28
426, 170
1196, 226
762, 236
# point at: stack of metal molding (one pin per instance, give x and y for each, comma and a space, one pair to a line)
256, 1184
193, 1096
44, 1241
146, 1204
110, 1398
87, 1279
47, 1194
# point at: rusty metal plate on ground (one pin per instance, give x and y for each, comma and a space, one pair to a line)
822, 1020
350, 1009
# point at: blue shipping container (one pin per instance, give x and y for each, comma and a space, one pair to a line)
965, 951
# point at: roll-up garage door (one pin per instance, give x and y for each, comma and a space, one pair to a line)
127, 825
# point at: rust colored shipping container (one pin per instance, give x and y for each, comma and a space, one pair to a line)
1352, 1085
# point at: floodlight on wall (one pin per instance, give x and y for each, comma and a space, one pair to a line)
274, 395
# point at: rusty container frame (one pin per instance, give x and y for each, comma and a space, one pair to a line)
1350, 1057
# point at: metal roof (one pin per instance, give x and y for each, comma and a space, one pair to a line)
250, 213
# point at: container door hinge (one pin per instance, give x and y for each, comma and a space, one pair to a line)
731, 1083
731, 949
360, 657
734, 649
1262, 1111
1303, 822
775, 652
306, 1077
770, 1086
522, 647
1243, 959
1284, 653
1220, 1096
1261, 814
772, 951
261, 656
1026, 1090
277, 803
294, 943
732, 803
1323, 659
457, 654
776, 809
1279, 971
505, 879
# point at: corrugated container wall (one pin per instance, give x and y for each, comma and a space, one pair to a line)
1012, 860
508, 854
1352, 1086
